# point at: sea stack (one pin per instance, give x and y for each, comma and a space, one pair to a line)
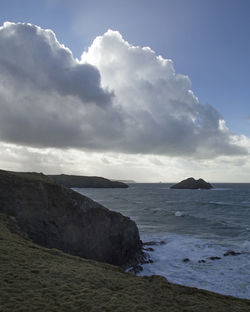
192, 184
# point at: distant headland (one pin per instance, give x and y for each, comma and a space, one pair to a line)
86, 181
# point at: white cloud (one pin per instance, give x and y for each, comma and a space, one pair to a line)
161, 113
47, 98
142, 168
118, 98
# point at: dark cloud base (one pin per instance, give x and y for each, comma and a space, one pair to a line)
118, 98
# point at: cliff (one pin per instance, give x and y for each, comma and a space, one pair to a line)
57, 217
192, 184
34, 278
86, 182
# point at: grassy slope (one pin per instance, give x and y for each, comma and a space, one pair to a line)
22, 176
34, 278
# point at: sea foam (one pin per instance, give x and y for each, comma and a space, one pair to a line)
201, 263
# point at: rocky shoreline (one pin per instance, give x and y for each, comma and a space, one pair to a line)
35, 278
37, 213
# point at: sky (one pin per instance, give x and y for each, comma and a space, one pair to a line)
143, 90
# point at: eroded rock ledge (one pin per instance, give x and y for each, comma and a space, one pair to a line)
57, 217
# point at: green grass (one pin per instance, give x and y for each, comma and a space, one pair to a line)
33, 278
25, 176
11, 176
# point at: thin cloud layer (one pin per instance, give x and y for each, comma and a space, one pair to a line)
118, 98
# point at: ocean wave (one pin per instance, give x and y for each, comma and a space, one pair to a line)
221, 203
199, 226
178, 214
245, 245
246, 202
201, 263
241, 204
221, 189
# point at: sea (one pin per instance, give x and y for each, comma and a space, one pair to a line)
197, 238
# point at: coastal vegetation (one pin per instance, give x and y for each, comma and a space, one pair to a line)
37, 278
34, 278
57, 217
86, 181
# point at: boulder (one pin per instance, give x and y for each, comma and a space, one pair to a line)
191, 183
86, 182
231, 253
214, 258
57, 217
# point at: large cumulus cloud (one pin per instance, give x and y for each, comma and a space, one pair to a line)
47, 98
117, 98
163, 114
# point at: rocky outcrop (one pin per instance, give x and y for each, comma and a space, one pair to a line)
191, 183
34, 278
57, 217
86, 182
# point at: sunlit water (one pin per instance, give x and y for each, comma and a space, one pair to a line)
194, 224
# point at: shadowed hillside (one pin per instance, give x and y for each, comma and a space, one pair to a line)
86, 182
57, 217
35, 278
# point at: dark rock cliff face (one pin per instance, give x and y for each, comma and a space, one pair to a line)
191, 183
57, 217
84, 182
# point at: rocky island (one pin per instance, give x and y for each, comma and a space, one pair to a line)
86, 181
192, 184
